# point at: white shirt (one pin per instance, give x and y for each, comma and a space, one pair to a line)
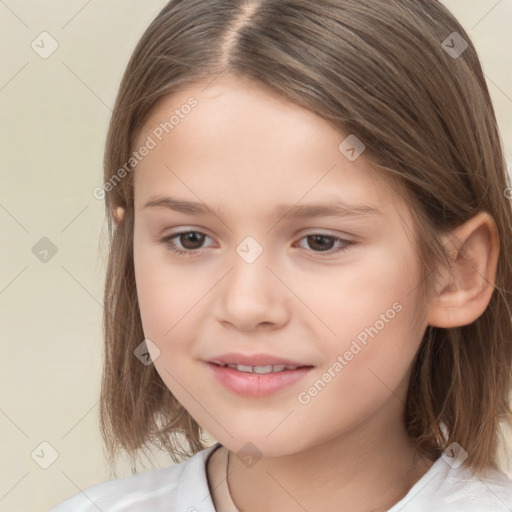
184, 488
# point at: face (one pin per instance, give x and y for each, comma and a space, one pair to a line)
334, 292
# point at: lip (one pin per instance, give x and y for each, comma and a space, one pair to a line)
256, 385
254, 360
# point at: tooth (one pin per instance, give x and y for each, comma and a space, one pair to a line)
242, 368
262, 369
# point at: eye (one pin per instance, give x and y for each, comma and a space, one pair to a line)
191, 242
321, 241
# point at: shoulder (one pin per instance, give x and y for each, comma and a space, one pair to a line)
182, 487
447, 489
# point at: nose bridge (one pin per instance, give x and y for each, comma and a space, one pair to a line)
250, 263
250, 250
251, 294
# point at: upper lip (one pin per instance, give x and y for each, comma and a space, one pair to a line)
254, 360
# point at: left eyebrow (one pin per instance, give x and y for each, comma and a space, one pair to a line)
328, 209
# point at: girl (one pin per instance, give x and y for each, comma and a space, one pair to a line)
366, 373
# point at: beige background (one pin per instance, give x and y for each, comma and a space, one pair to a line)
55, 113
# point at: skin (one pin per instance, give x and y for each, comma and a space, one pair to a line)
242, 151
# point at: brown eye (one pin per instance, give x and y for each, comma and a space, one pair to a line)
321, 243
189, 242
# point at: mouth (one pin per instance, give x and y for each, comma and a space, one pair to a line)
261, 370
257, 381
259, 361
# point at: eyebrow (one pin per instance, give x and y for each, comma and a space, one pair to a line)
328, 209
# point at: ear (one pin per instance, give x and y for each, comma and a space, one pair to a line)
464, 290
118, 214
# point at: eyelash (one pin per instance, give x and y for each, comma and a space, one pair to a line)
171, 246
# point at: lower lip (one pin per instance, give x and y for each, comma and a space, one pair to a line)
256, 384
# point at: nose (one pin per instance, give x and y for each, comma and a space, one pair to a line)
253, 296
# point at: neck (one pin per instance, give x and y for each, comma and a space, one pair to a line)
368, 469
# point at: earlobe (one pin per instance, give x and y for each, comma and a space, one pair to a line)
118, 215
465, 289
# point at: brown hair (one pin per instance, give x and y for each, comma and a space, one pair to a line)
383, 71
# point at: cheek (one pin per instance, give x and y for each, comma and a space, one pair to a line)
365, 285
369, 312
158, 288
169, 296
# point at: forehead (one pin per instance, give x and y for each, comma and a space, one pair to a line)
235, 136
237, 116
